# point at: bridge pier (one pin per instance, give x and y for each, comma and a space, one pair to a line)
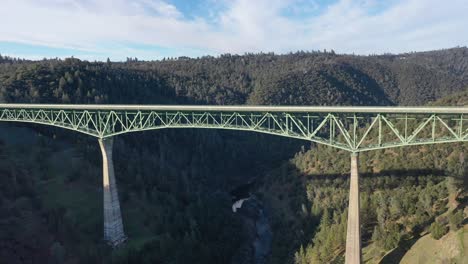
113, 228
353, 232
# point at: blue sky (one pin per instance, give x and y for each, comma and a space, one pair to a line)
153, 29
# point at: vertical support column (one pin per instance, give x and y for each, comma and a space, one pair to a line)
353, 232
113, 228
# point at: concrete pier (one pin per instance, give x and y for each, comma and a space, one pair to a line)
113, 228
353, 232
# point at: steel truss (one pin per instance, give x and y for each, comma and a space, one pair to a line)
353, 131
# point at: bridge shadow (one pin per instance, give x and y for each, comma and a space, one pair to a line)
386, 173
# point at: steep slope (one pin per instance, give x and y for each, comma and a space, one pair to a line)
452, 248
296, 78
457, 99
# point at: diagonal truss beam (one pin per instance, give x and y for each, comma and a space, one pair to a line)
324, 127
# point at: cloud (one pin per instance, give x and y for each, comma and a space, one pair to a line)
104, 28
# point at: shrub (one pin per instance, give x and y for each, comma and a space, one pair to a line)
455, 219
438, 230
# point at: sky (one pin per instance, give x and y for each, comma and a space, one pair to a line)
156, 29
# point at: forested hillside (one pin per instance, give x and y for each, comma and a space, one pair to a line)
174, 185
403, 192
313, 78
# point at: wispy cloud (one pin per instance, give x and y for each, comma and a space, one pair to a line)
152, 29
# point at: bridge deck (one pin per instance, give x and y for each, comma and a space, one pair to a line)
255, 108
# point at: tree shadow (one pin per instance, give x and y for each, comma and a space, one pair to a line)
396, 255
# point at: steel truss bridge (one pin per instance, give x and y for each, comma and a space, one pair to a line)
354, 129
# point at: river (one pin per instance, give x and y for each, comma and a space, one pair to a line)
257, 246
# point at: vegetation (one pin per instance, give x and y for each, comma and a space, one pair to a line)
395, 204
456, 220
174, 185
438, 230
452, 248
313, 78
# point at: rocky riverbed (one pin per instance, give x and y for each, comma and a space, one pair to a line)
257, 245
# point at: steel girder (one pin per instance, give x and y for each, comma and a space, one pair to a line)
347, 130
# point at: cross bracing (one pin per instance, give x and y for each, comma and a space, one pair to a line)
354, 129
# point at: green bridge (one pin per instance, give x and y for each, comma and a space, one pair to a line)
354, 129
